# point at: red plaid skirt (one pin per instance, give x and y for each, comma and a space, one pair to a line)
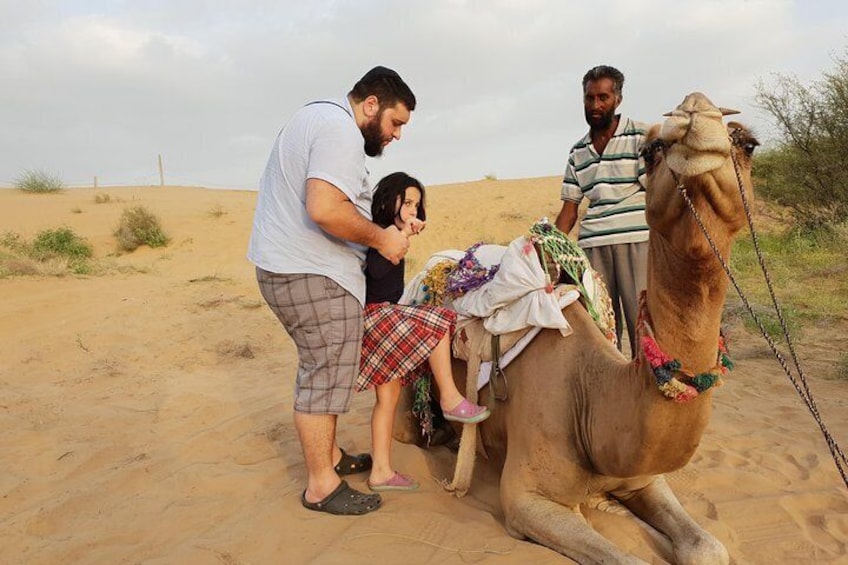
398, 341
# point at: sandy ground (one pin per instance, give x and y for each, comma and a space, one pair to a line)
145, 413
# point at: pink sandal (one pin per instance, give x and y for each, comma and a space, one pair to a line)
398, 481
467, 413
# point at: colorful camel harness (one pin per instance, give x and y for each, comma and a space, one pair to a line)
672, 380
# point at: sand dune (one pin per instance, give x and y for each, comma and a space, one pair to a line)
145, 412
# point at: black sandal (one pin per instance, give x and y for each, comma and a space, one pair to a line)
344, 501
352, 464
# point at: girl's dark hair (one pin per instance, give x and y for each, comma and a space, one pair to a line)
386, 197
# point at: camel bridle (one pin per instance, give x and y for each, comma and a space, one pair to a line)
738, 139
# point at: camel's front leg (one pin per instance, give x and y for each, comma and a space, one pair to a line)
405, 429
561, 528
657, 505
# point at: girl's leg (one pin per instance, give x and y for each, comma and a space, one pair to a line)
382, 422
440, 363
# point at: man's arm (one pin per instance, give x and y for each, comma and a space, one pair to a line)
567, 216
333, 211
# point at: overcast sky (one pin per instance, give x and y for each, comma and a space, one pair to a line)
101, 87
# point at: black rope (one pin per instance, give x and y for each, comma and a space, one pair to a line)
801, 387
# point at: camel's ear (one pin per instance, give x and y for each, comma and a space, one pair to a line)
728, 111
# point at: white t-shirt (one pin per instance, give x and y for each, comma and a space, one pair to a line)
321, 141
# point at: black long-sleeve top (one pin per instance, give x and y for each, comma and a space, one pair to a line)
383, 280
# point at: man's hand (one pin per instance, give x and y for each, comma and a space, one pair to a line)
393, 245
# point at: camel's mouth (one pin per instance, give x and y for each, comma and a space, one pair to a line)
695, 136
686, 161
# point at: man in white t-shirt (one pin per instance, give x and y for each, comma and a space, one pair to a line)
311, 229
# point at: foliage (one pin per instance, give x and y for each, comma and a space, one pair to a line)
52, 252
806, 171
102, 198
808, 270
60, 242
138, 226
38, 181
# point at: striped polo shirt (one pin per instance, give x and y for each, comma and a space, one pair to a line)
614, 183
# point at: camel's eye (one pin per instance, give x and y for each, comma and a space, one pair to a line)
744, 140
649, 152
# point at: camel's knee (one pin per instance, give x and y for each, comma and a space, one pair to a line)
513, 523
702, 549
513, 512
513, 531
523, 511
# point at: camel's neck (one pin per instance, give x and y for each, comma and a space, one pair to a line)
685, 298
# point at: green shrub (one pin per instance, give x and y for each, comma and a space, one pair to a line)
138, 226
61, 242
52, 252
806, 169
39, 182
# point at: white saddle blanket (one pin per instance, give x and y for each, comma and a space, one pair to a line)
486, 366
517, 296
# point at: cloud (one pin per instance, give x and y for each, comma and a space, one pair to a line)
101, 88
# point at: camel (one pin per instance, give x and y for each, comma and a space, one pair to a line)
581, 421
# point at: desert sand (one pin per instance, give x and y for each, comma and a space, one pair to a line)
147, 411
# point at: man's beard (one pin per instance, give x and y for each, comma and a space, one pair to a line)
598, 123
373, 134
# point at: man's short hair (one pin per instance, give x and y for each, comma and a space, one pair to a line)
605, 71
386, 85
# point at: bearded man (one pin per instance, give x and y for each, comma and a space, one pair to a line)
604, 167
311, 229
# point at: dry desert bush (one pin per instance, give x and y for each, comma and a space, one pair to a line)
39, 182
138, 226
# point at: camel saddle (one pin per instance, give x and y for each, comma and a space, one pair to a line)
474, 344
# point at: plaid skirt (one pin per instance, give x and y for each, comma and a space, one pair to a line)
398, 341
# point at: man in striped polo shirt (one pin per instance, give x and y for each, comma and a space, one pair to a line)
604, 166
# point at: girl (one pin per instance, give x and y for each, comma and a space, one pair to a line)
399, 339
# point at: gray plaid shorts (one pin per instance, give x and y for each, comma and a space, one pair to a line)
325, 323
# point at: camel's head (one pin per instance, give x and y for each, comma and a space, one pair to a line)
695, 149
